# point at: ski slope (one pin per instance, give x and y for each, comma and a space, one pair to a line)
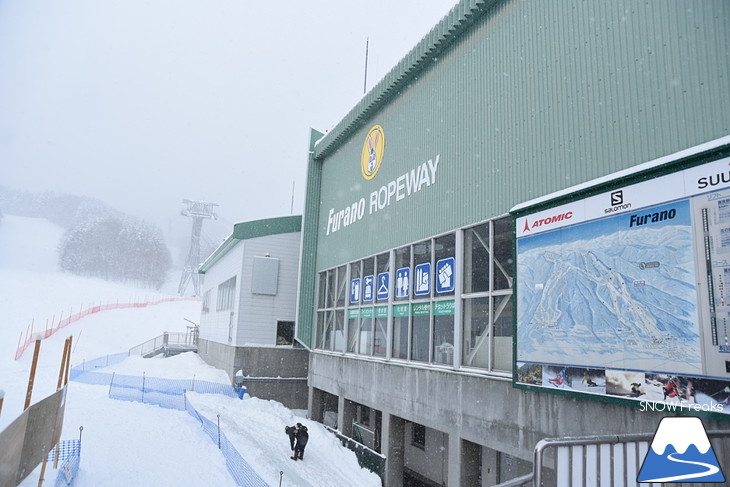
127, 443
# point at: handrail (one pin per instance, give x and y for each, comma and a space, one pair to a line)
546, 443
162, 342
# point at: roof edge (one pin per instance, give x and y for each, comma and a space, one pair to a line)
267, 226
249, 230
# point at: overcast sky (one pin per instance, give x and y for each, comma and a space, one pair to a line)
141, 103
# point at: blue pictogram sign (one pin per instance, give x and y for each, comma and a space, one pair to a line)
355, 290
403, 282
445, 275
422, 281
383, 286
367, 289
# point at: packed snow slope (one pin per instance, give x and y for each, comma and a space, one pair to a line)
127, 443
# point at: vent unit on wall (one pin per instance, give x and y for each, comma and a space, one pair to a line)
265, 276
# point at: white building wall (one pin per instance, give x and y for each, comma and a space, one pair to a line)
216, 325
259, 313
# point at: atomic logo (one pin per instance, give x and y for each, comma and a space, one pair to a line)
680, 451
372, 152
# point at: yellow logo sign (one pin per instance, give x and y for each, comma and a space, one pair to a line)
372, 152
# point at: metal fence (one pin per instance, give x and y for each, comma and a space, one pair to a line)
31, 334
596, 461
69, 454
240, 470
366, 457
170, 393
163, 392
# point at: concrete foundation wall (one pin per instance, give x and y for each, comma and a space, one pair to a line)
272, 361
275, 373
293, 394
218, 355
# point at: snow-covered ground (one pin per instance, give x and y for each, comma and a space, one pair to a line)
128, 443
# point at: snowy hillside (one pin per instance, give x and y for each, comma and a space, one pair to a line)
127, 443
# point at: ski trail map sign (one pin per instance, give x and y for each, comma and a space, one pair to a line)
624, 291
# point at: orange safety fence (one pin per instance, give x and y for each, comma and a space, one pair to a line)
31, 336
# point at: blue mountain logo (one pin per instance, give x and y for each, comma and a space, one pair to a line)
680, 451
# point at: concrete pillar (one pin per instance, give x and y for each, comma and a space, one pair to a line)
346, 414
393, 444
454, 462
315, 404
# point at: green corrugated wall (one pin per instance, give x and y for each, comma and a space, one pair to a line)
520, 99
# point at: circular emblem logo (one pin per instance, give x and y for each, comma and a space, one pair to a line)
372, 152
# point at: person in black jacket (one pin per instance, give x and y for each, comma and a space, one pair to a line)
302, 437
291, 432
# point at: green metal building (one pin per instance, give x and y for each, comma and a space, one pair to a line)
407, 282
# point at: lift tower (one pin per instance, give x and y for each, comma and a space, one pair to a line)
197, 210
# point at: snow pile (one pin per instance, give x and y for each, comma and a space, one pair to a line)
127, 443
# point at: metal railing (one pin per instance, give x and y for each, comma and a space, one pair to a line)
366, 457
166, 342
364, 435
597, 461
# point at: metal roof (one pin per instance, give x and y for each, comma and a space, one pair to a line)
250, 230
459, 19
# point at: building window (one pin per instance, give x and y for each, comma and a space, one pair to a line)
476, 332
226, 294
380, 331
353, 330
330, 289
382, 286
443, 332
401, 319
284, 332
355, 283
418, 436
487, 293
368, 281
444, 250
413, 288
422, 272
503, 242
360, 327
323, 330
342, 287
321, 297
338, 340
421, 327
402, 274
331, 320
476, 259
502, 325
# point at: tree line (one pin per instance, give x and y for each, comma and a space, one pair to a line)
98, 241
